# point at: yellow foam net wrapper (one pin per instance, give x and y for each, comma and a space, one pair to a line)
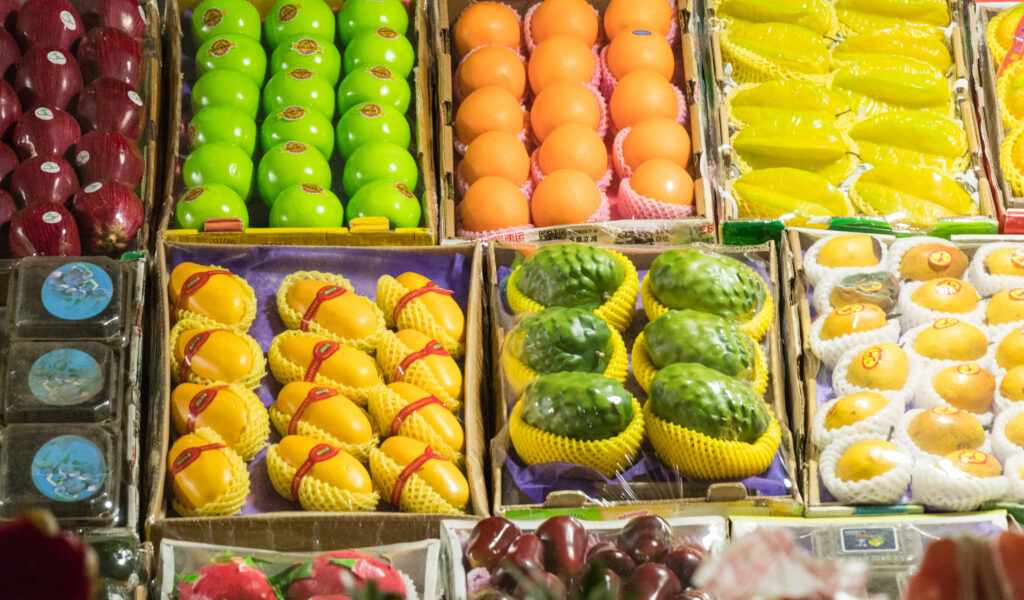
617, 311
696, 455
793, 195
285, 371
813, 145
917, 195
249, 381
1011, 160
390, 354
293, 318
1010, 90
817, 15
518, 375
230, 502
755, 326
315, 495
872, 15
909, 42
385, 405
609, 457
247, 318
417, 496
257, 425
914, 138
886, 83
1000, 33
644, 370
414, 315
785, 98
768, 51
282, 420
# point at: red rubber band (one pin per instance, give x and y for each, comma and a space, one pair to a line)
189, 456
317, 454
321, 352
328, 292
191, 349
410, 408
409, 470
430, 288
431, 349
192, 285
315, 395
200, 402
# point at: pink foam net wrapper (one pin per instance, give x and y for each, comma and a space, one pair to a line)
603, 125
632, 205
524, 136
682, 114
519, 19
457, 88
537, 175
603, 212
462, 185
619, 157
508, 234
528, 28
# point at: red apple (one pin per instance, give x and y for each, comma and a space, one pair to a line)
45, 131
8, 161
107, 155
48, 23
108, 52
126, 15
10, 55
43, 179
9, 13
111, 105
48, 76
109, 216
44, 230
7, 210
10, 107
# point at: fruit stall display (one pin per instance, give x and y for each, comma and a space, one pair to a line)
584, 336
566, 112
913, 369
843, 109
78, 121
317, 379
301, 122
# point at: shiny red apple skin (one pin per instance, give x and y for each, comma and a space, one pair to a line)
8, 161
48, 23
125, 15
10, 55
44, 230
45, 131
7, 210
47, 76
109, 52
111, 105
9, 13
108, 155
10, 108
43, 179
109, 216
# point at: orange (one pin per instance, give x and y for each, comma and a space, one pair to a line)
497, 153
488, 109
564, 17
641, 95
561, 103
493, 65
656, 138
640, 49
574, 146
653, 15
494, 203
561, 58
486, 23
663, 180
564, 197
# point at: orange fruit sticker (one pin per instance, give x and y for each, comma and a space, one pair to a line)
945, 322
849, 309
871, 357
940, 259
969, 369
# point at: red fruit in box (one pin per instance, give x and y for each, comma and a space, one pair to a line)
42, 179
8, 161
684, 562
107, 155
48, 23
125, 15
44, 230
10, 55
9, 13
340, 572
653, 581
10, 107
111, 105
541, 585
647, 538
489, 541
38, 560
109, 52
237, 579
45, 131
48, 76
109, 216
565, 545
7, 210
610, 556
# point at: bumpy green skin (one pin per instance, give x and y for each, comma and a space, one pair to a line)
580, 406
571, 275
715, 284
562, 339
690, 336
702, 399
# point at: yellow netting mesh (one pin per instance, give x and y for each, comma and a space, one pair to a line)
997, 48
285, 371
415, 315
293, 318
257, 427
390, 354
617, 311
755, 327
385, 405
315, 495
250, 380
1014, 72
694, 454
230, 502
282, 420
518, 375
644, 370
417, 496
609, 457
749, 67
1011, 170
247, 318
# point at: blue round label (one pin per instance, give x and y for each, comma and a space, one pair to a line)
77, 291
65, 377
68, 468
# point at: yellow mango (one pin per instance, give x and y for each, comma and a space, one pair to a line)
440, 474
342, 470
215, 354
205, 479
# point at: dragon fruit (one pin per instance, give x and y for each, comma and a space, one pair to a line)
335, 575
236, 578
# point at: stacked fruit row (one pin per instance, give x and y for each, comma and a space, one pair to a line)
71, 109
579, 131
296, 135
999, 37
865, 126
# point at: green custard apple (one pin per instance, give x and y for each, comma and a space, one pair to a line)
225, 124
301, 124
211, 201
217, 17
579, 406
357, 15
369, 122
562, 339
287, 164
375, 84
381, 46
379, 160
222, 163
233, 51
307, 52
226, 87
690, 336
694, 279
306, 205
382, 198
289, 18
299, 87
571, 275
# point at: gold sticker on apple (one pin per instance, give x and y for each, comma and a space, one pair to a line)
940, 259
312, 188
307, 47
220, 47
371, 111
292, 113
287, 12
212, 17
404, 190
294, 147
381, 73
300, 74
193, 194
387, 33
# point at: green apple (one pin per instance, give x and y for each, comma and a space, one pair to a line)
209, 201
381, 46
289, 163
369, 122
222, 124
218, 162
217, 17
226, 87
307, 205
299, 87
379, 160
373, 84
289, 18
308, 52
298, 123
389, 199
233, 51
370, 14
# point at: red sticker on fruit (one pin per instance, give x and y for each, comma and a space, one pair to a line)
212, 17
220, 47
193, 284
945, 322
387, 33
430, 288
287, 12
431, 349
294, 147
940, 259
317, 454
300, 74
321, 352
327, 292
200, 402
191, 455
871, 357
381, 73
292, 113
371, 111
315, 395
307, 47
